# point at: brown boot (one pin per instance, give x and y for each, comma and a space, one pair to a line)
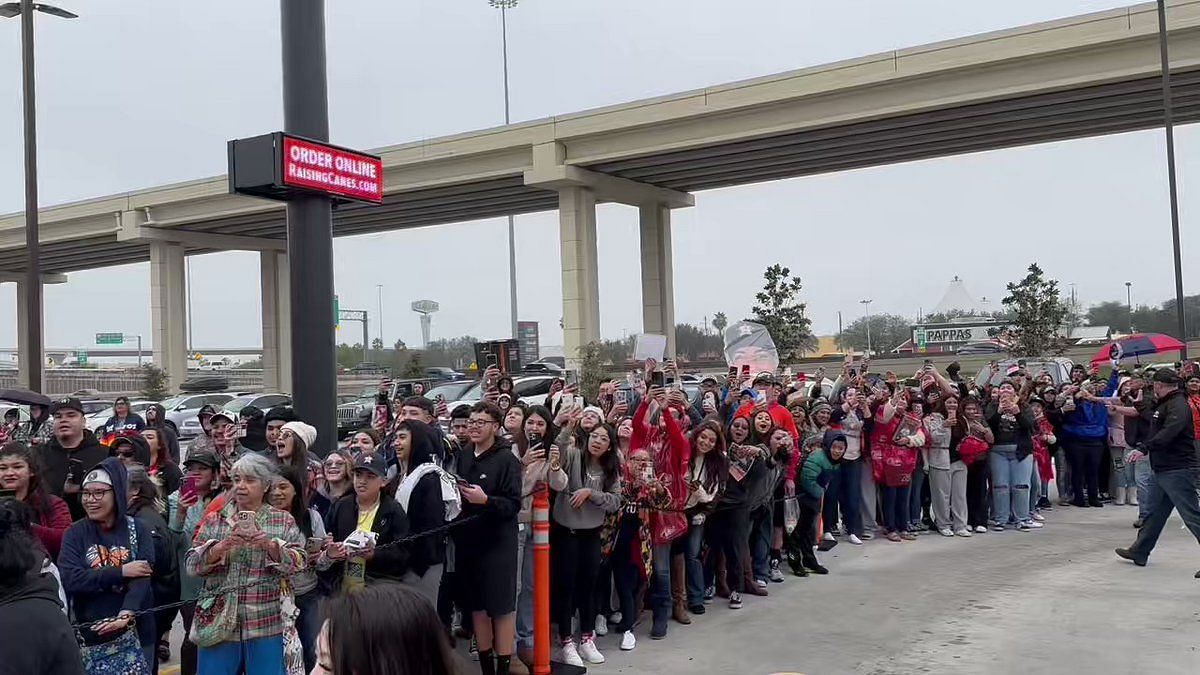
517, 667
722, 582
748, 583
679, 590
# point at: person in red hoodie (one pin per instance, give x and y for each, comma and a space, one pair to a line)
19, 473
656, 427
764, 385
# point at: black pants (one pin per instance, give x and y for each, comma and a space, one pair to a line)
575, 555
628, 574
1085, 455
800, 542
977, 493
731, 531
187, 652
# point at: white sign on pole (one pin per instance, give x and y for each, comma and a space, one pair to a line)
649, 346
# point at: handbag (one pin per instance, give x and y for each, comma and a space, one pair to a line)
215, 620
972, 449
122, 655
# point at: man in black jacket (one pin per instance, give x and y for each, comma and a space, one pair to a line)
1171, 447
72, 452
369, 509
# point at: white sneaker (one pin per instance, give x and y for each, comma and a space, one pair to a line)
601, 625
946, 532
1034, 524
570, 654
980, 529
965, 532
587, 648
855, 540
628, 642
1038, 517
828, 536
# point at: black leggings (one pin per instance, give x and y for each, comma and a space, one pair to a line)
800, 542
1084, 455
575, 555
187, 651
731, 531
977, 493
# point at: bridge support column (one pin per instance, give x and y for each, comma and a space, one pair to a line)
23, 351
580, 281
276, 322
168, 310
658, 285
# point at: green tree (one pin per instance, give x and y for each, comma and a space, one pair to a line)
414, 369
154, 383
591, 369
615, 352
691, 343
720, 321
778, 309
377, 344
888, 331
1040, 318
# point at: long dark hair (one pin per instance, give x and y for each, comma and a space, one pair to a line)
299, 506
299, 458
384, 629
610, 461
716, 462
961, 425
35, 497
755, 438
19, 549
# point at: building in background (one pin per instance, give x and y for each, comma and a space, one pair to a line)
527, 338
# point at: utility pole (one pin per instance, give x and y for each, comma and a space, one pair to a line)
1169, 129
867, 305
310, 222
1129, 303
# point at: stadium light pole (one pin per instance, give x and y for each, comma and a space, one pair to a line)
32, 337
1169, 129
1129, 302
504, 6
867, 305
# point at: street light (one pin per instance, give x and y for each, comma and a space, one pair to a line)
1129, 302
867, 306
33, 273
379, 288
504, 6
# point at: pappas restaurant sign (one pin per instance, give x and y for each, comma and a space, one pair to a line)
952, 334
281, 166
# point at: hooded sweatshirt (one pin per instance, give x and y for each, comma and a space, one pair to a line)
170, 439
819, 467
56, 461
425, 509
37, 634
91, 560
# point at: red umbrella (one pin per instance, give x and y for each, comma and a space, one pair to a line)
1137, 345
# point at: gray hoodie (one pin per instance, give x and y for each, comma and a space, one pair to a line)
573, 475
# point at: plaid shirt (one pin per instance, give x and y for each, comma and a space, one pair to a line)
259, 611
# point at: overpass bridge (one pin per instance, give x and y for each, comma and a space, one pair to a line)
1087, 75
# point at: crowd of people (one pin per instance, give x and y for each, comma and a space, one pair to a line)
284, 553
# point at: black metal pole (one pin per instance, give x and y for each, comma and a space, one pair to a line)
310, 224
33, 266
1169, 128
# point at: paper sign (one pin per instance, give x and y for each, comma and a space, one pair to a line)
749, 343
649, 346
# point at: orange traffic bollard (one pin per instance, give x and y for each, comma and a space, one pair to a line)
541, 581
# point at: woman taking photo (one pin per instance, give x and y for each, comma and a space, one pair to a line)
287, 494
295, 448
844, 492
970, 440
900, 436
587, 487
185, 508
707, 473
335, 481
105, 567
1011, 460
947, 473
385, 629
19, 473
730, 522
250, 546
162, 470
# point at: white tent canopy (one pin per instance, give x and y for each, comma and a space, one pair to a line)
957, 299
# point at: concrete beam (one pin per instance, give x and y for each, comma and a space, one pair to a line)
168, 313
276, 321
658, 276
605, 187
23, 356
134, 226
17, 277
580, 281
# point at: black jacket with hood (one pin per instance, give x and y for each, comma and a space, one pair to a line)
38, 637
56, 462
90, 564
425, 510
170, 438
1171, 443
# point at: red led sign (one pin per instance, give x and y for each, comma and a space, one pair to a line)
331, 170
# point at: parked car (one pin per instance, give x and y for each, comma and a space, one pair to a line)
182, 409
442, 374
368, 368
356, 413
91, 406
531, 389
1059, 368
95, 420
543, 367
263, 402
204, 383
404, 388
450, 391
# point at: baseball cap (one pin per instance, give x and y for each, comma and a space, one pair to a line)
228, 416
66, 403
206, 409
1166, 376
708, 379
370, 461
764, 378
206, 457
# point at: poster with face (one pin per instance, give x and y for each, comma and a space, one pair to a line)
749, 344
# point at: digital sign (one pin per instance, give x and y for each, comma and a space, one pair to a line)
331, 170
282, 166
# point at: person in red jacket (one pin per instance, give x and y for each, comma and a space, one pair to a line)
51, 515
764, 384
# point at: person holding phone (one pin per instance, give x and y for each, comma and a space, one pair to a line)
185, 508
287, 494
106, 568
368, 509
486, 545
251, 546
1011, 458
540, 452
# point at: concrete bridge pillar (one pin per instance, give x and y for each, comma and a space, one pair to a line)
276, 322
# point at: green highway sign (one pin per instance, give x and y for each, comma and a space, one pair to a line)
81, 358
110, 338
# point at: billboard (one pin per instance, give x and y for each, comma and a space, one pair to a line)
527, 339
282, 166
950, 334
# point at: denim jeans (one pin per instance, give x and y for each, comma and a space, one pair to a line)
525, 587
760, 542
895, 508
1122, 471
263, 656
914, 492
308, 625
1062, 474
1035, 487
695, 569
1010, 484
1172, 490
1143, 477
660, 587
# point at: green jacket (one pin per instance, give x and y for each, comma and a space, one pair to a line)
816, 473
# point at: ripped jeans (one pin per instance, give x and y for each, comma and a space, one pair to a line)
1010, 484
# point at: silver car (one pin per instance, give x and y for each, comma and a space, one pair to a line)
181, 411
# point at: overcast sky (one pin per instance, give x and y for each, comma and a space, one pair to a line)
139, 93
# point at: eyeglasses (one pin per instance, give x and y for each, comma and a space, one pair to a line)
94, 495
124, 454
480, 422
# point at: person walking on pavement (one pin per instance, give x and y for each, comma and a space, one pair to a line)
1171, 448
